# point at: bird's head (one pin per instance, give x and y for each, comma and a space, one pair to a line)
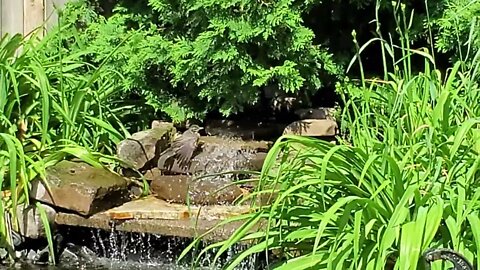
195, 128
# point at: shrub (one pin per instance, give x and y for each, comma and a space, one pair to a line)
456, 22
199, 56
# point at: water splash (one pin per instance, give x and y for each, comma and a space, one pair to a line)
113, 249
224, 156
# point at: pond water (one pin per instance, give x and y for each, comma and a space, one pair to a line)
93, 249
101, 264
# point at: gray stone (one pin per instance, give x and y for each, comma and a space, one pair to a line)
313, 128
79, 255
255, 163
30, 223
316, 113
180, 188
247, 130
80, 187
144, 146
20, 253
3, 254
31, 255
217, 141
155, 216
216, 154
221, 155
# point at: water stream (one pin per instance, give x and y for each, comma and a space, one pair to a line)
95, 249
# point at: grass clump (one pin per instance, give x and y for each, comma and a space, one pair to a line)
48, 112
403, 179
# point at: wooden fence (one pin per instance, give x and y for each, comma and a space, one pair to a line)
23, 16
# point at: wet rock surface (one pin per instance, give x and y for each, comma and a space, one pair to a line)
143, 147
152, 215
234, 142
248, 155
247, 130
227, 154
80, 188
316, 113
185, 189
313, 128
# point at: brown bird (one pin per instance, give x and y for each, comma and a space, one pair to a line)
178, 156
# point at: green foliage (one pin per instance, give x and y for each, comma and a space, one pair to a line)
186, 59
457, 25
405, 181
402, 179
48, 112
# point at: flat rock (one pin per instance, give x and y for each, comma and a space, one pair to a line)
154, 208
185, 189
312, 127
81, 188
259, 146
29, 220
255, 163
144, 146
152, 215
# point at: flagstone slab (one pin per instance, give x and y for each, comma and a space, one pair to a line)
152, 215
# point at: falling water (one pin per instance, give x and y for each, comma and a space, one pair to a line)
125, 250
220, 158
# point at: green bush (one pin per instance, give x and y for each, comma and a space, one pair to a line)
194, 57
186, 59
456, 23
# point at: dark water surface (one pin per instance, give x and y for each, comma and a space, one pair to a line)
102, 264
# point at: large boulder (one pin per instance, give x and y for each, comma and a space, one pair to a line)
223, 154
312, 128
216, 154
185, 189
143, 147
81, 188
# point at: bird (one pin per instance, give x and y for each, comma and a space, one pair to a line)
179, 155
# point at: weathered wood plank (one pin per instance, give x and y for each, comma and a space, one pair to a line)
33, 12
1, 28
12, 16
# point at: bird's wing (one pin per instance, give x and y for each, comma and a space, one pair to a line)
180, 152
164, 158
184, 147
